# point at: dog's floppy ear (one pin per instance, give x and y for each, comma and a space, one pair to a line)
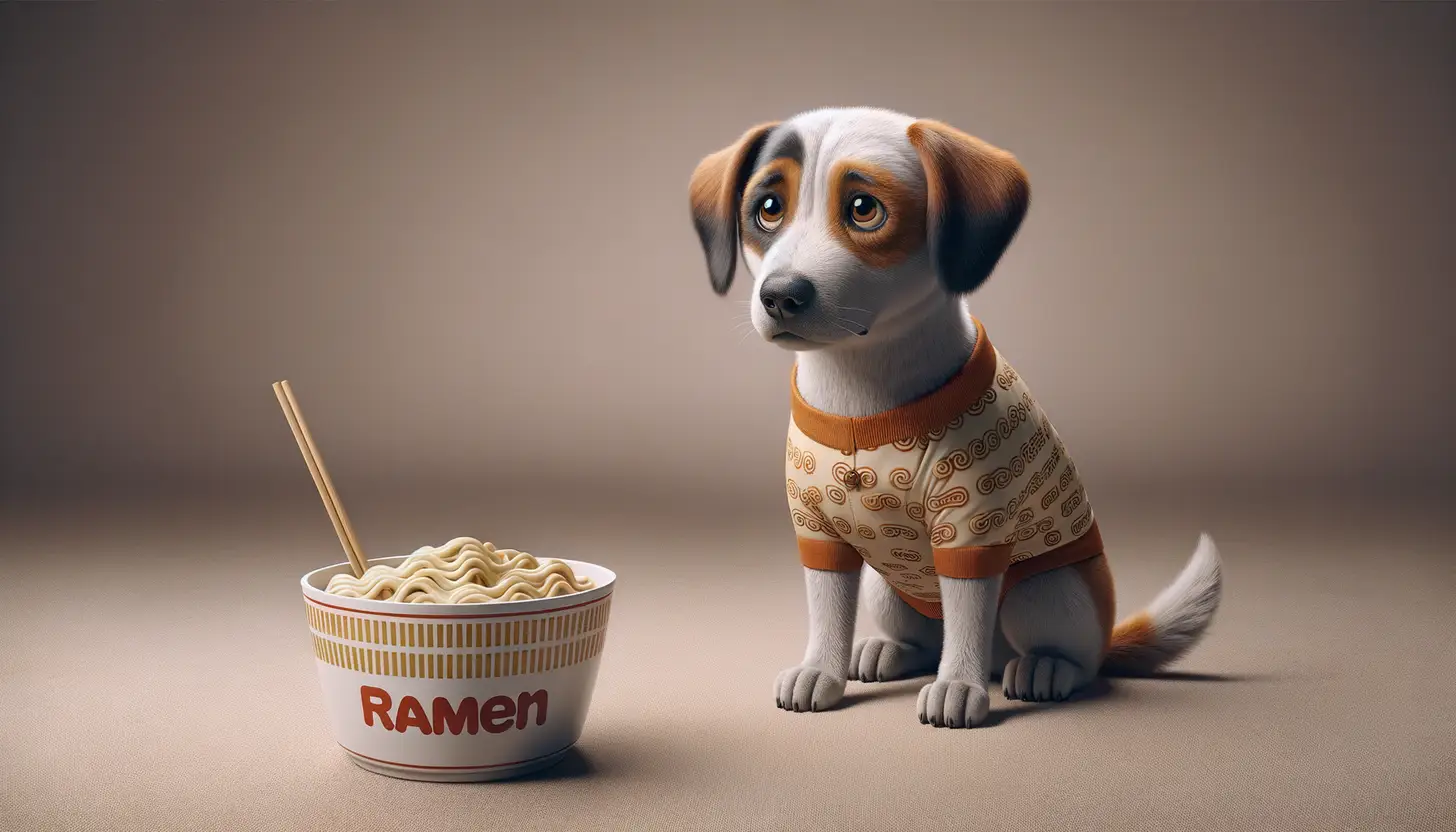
976, 197
714, 193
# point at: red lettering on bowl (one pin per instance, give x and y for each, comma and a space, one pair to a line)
496, 715
464, 718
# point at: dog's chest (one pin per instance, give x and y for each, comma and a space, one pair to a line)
988, 487
875, 500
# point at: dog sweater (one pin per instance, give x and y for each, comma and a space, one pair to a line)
969, 481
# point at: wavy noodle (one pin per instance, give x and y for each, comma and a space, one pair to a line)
463, 571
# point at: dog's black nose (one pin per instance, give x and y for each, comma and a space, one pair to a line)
786, 295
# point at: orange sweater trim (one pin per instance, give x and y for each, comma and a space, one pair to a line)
972, 561
829, 555
927, 413
1084, 548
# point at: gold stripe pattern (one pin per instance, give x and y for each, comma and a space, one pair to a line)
459, 665
559, 641
458, 634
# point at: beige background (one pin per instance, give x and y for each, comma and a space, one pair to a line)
463, 234
461, 231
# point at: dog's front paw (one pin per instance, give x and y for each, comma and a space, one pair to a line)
805, 688
950, 703
878, 659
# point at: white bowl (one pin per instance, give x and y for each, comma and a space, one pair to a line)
506, 684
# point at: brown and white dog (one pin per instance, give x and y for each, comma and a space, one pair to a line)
863, 229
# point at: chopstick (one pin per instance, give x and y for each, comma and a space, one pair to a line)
342, 527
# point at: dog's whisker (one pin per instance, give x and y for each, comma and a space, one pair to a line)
837, 312
840, 322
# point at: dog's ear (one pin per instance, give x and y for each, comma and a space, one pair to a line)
976, 198
714, 193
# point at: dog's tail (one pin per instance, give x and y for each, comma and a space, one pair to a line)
1173, 623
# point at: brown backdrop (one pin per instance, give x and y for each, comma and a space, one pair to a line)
462, 234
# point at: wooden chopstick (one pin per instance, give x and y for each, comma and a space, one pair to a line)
342, 527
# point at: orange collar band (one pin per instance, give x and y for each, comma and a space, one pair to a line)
917, 418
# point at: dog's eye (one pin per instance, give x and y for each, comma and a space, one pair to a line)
866, 212
770, 213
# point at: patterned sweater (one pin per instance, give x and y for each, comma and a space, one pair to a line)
969, 481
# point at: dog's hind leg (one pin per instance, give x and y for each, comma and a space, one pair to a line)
1058, 623
910, 644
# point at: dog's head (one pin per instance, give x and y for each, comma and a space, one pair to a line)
854, 222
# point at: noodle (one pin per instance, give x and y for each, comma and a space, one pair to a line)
463, 571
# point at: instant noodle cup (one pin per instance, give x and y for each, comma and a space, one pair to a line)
458, 692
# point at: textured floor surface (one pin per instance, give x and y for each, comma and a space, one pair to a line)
158, 675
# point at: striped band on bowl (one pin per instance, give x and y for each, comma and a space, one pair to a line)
384, 646
373, 628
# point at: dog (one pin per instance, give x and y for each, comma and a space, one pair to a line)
924, 481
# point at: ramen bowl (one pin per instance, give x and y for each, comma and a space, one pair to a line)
458, 692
